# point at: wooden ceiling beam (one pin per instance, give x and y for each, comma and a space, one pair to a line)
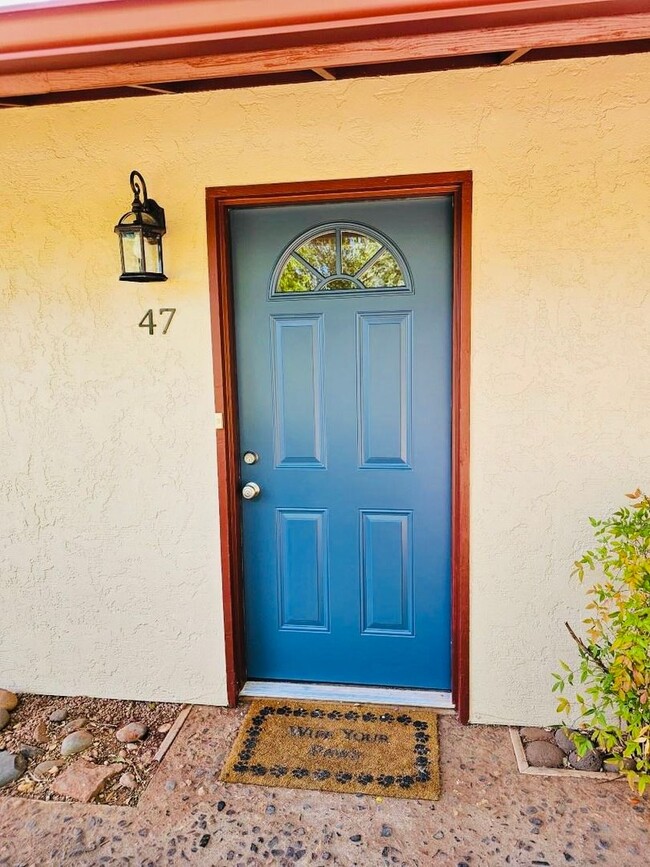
514, 56
323, 56
324, 73
151, 88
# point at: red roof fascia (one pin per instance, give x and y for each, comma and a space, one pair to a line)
81, 32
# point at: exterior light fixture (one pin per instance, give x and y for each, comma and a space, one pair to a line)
140, 232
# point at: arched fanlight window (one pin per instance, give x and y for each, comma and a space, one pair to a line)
340, 258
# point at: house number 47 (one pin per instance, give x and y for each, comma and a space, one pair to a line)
147, 319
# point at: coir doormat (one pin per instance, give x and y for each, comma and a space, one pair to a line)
337, 748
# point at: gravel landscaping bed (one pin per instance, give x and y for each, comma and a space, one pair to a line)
80, 749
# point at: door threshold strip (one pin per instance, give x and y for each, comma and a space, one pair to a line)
362, 694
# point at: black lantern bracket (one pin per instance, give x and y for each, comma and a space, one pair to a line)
149, 206
140, 233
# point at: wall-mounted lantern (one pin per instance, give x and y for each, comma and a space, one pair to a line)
140, 233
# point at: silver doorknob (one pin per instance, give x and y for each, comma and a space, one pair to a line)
251, 490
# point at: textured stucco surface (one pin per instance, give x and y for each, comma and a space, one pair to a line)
109, 563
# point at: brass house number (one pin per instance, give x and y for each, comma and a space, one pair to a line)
147, 320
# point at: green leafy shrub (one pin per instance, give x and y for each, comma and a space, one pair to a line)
614, 667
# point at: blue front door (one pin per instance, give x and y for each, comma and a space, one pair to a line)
343, 331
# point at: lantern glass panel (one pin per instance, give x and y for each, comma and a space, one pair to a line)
132, 252
153, 252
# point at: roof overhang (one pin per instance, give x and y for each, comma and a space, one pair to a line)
86, 48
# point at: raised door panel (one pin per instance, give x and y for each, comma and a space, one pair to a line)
384, 374
297, 366
387, 572
303, 574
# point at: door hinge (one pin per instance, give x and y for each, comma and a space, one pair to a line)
218, 420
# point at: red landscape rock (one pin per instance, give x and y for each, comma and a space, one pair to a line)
542, 754
564, 740
83, 781
45, 769
40, 733
8, 700
591, 761
76, 742
534, 733
76, 725
131, 732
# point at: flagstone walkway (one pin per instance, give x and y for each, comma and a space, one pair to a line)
488, 815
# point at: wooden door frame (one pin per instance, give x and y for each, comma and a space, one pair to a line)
219, 200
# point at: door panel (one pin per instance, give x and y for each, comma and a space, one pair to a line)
345, 395
303, 575
297, 376
384, 370
387, 572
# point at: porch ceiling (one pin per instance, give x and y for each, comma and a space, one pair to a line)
96, 49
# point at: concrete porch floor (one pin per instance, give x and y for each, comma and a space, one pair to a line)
489, 814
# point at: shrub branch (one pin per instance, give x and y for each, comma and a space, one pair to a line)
585, 650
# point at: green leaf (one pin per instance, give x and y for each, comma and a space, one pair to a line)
563, 705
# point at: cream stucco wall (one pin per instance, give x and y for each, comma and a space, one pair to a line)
109, 549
